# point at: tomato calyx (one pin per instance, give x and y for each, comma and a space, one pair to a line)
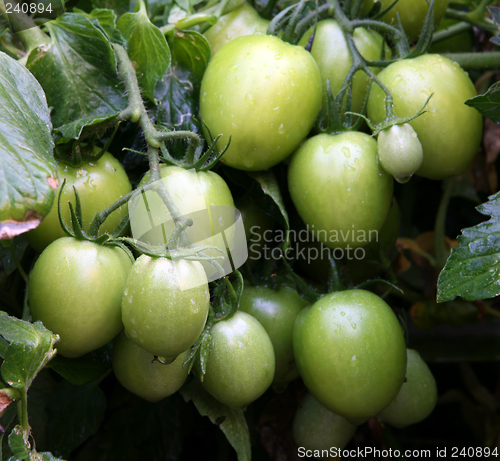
76, 220
392, 120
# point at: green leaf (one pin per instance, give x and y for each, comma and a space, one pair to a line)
269, 186
78, 72
31, 347
473, 269
488, 104
177, 102
85, 369
191, 51
231, 422
147, 47
27, 166
7, 263
18, 446
118, 6
107, 20
495, 14
75, 413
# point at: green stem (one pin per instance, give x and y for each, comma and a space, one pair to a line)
29, 33
102, 215
451, 31
476, 61
267, 12
472, 18
441, 252
189, 22
136, 111
22, 409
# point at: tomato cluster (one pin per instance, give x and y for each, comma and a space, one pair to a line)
264, 98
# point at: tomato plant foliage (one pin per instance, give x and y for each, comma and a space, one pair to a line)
302, 113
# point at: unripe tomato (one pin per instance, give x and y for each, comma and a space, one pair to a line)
99, 184
265, 94
276, 311
190, 191
75, 290
165, 305
242, 21
417, 396
240, 364
412, 14
330, 51
350, 351
450, 131
139, 372
317, 428
339, 188
399, 151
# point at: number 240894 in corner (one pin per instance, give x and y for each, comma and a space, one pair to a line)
28, 8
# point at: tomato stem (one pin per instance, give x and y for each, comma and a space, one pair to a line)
136, 111
451, 31
441, 252
476, 61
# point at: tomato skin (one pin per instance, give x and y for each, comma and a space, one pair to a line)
317, 428
450, 131
240, 365
276, 311
330, 51
158, 315
240, 22
75, 290
399, 151
412, 14
265, 94
339, 188
190, 191
138, 372
417, 396
99, 184
351, 353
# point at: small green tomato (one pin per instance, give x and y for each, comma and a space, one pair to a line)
400, 152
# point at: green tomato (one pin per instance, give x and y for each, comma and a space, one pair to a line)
399, 151
240, 365
316, 428
350, 351
139, 372
263, 93
339, 188
276, 311
412, 14
190, 192
242, 21
330, 51
450, 131
165, 305
99, 184
75, 290
417, 397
